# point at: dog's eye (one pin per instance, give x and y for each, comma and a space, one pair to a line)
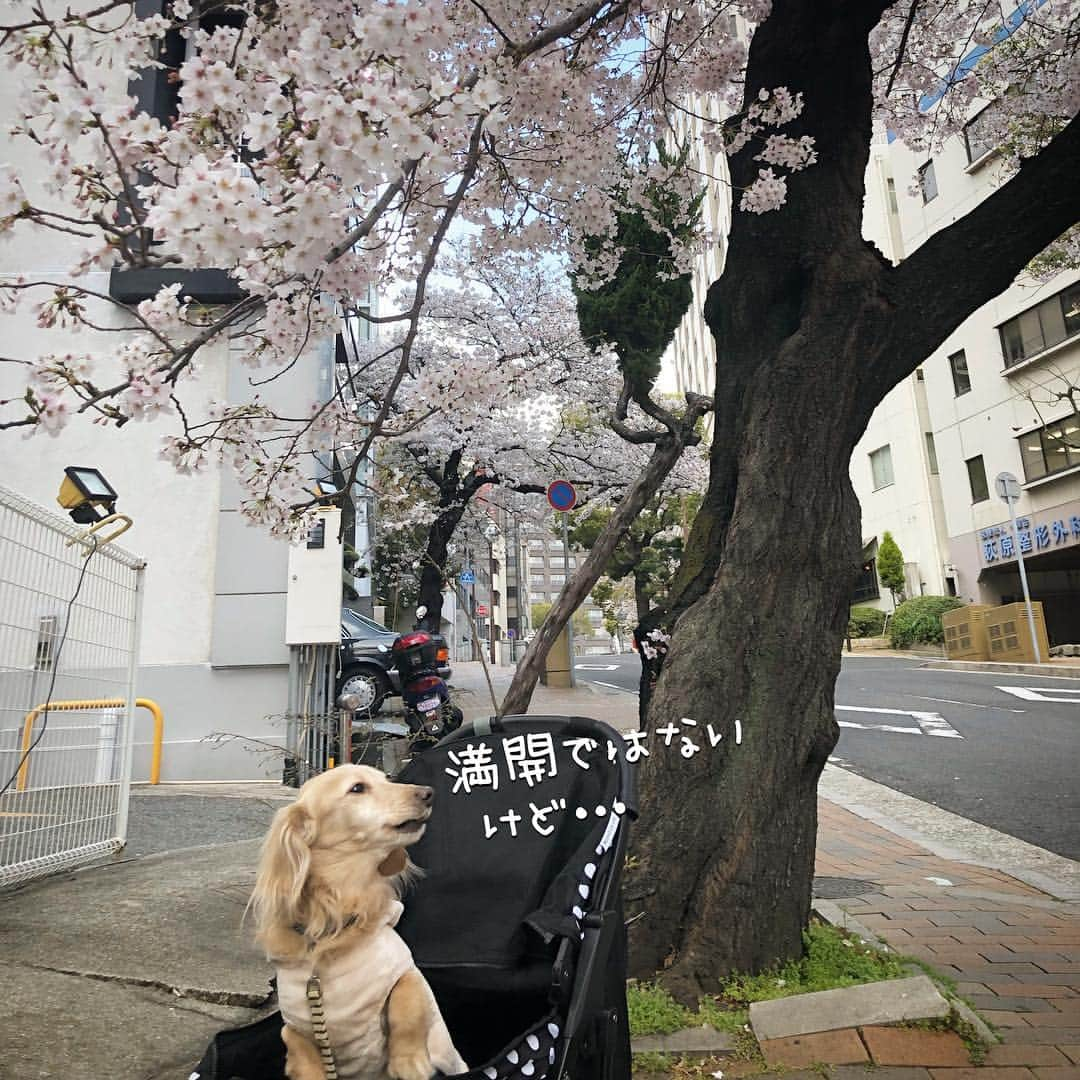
358, 788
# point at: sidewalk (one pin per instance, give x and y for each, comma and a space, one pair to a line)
1012, 949
1057, 667
125, 970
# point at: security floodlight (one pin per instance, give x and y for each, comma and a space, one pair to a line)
326, 492
86, 495
491, 531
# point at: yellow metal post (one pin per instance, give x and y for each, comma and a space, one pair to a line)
103, 703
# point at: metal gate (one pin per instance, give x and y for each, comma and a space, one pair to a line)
69, 633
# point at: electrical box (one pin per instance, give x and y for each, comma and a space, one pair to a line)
1009, 634
313, 598
965, 632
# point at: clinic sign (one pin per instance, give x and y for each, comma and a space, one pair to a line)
1035, 535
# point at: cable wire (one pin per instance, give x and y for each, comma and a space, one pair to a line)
55, 667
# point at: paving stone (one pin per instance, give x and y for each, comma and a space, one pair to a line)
856, 1006
983, 1072
1072, 1053
1013, 1054
828, 1047
1012, 1004
1006, 988
1053, 1036
877, 1072
1054, 1019
1004, 1019
1058, 1072
914, 1046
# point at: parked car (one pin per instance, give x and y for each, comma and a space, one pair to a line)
366, 661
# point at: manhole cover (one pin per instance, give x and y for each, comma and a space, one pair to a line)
837, 888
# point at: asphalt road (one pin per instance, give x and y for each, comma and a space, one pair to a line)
953, 739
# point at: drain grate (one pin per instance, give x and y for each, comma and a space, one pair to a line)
839, 888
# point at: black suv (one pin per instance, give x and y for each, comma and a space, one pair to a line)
366, 661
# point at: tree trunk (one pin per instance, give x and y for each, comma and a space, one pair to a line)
812, 328
725, 843
642, 600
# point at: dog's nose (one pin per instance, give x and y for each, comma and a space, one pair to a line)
425, 794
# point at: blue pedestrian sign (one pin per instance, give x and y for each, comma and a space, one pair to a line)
561, 495
467, 577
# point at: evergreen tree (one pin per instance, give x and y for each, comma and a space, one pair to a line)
890, 566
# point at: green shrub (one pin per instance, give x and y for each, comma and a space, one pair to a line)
865, 622
833, 958
918, 620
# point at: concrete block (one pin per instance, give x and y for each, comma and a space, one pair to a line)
701, 1041
886, 1002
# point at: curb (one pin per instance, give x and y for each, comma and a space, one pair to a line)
1040, 671
951, 836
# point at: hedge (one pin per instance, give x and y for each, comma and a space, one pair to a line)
918, 621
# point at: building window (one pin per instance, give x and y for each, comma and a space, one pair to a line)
557, 581
1041, 327
961, 377
977, 479
928, 182
537, 560
890, 189
881, 467
931, 453
979, 136
596, 616
538, 582
1051, 449
537, 597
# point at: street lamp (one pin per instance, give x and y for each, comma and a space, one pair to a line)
490, 533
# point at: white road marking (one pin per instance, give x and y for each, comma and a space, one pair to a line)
930, 723
612, 686
880, 727
969, 704
596, 667
1028, 694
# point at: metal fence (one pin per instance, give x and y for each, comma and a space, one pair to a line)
69, 633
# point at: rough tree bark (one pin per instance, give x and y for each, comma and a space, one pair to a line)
812, 328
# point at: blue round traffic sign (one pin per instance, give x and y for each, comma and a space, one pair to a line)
561, 495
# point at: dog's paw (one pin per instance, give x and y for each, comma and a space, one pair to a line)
412, 1065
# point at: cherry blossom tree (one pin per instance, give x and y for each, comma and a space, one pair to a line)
322, 147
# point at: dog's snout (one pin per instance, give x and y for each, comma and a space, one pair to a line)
425, 795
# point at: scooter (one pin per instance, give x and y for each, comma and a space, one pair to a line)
429, 712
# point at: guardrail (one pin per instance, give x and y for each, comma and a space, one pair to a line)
100, 703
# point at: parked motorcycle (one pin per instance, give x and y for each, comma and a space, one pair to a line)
429, 712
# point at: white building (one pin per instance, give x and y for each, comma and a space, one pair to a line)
989, 400
213, 651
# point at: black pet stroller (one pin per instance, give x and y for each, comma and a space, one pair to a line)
517, 923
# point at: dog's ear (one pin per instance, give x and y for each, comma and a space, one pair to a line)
286, 860
394, 863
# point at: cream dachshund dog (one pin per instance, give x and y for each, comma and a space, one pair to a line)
326, 901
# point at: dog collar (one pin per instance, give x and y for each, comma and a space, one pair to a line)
300, 929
